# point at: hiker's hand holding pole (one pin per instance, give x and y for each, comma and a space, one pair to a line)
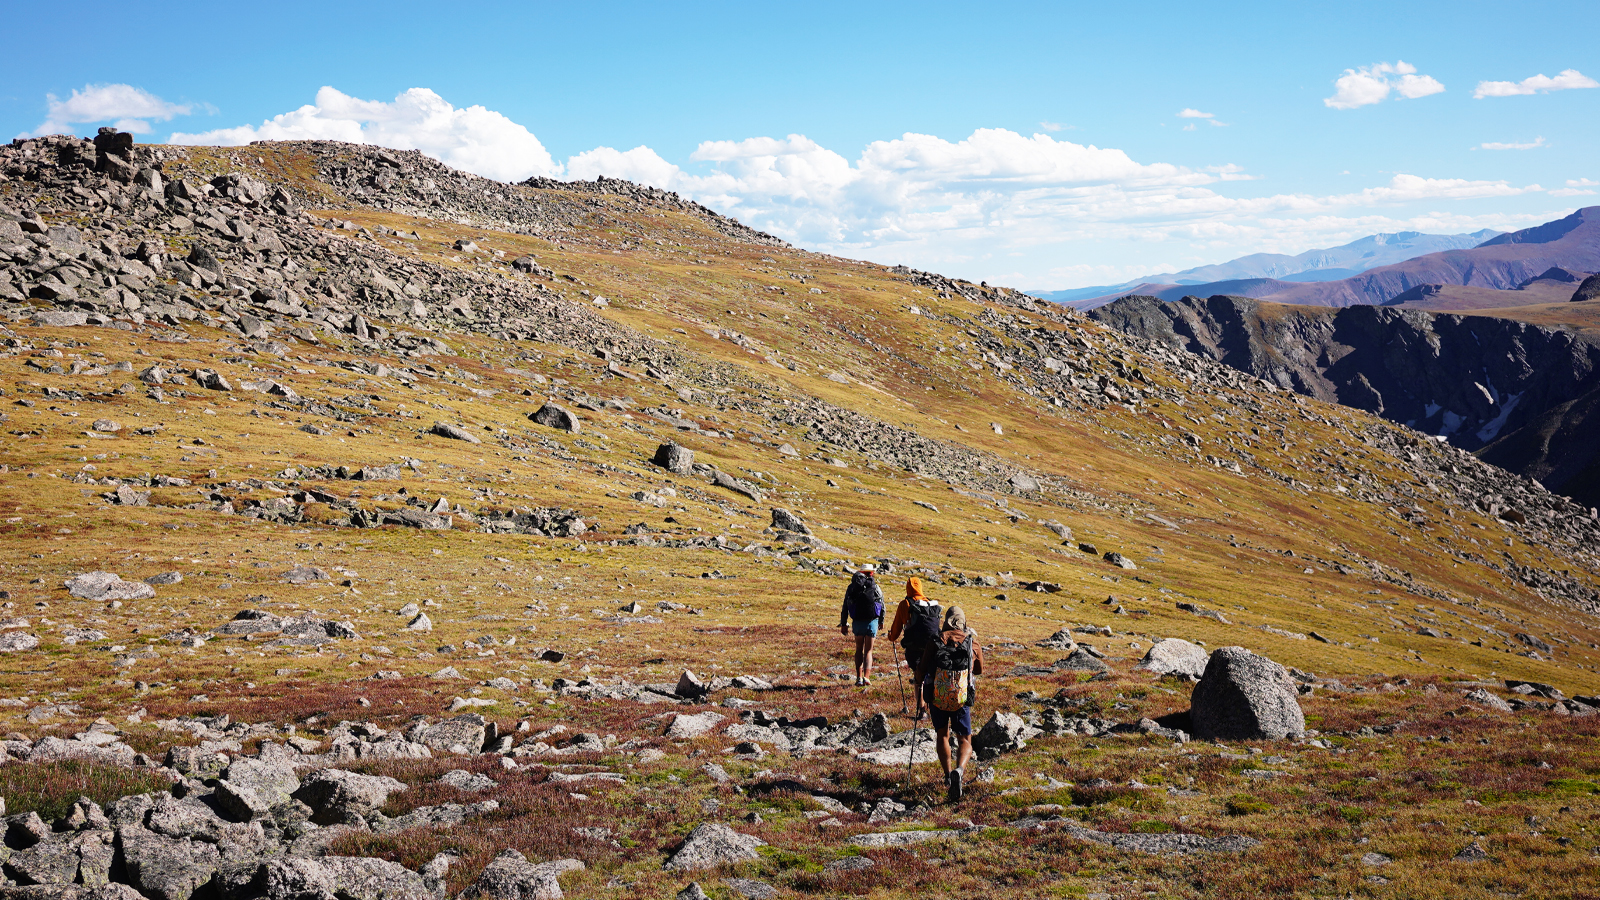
844, 629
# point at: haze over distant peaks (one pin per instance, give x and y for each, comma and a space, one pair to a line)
1330, 264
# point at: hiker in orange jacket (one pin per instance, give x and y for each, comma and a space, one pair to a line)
916, 624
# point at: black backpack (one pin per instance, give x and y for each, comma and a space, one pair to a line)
865, 599
923, 625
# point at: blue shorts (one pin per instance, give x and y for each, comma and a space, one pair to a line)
864, 627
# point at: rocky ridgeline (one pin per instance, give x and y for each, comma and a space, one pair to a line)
155, 247
1517, 392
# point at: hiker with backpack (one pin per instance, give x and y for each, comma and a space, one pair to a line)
916, 625
863, 607
949, 664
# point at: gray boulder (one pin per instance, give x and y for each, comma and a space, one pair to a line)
463, 780
454, 432
1174, 656
511, 877
273, 779
685, 726
361, 878
558, 417
1484, 698
164, 868
710, 845
14, 641
107, 586
1081, 660
1118, 560
1003, 733
463, 734
1242, 696
784, 520
674, 458
690, 687
334, 794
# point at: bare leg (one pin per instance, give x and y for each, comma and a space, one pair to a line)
860, 655
866, 668
941, 746
964, 753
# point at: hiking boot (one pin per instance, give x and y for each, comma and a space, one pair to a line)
954, 782
866, 681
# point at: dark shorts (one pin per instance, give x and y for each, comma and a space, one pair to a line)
959, 723
864, 627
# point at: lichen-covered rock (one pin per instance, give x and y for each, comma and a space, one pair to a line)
1242, 696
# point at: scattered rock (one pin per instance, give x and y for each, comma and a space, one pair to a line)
454, 432
560, 418
511, 877
710, 845
1174, 656
674, 458
684, 726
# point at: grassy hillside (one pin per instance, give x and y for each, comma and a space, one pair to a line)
932, 425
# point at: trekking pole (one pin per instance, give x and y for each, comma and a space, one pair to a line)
898, 679
911, 758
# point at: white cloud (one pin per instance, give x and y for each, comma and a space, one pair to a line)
1566, 80
1195, 114
1526, 145
125, 106
1570, 192
1372, 84
1033, 210
1582, 182
473, 138
1054, 126
1413, 86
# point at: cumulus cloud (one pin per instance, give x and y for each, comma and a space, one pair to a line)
1525, 145
1576, 187
123, 105
473, 138
980, 206
1053, 126
1372, 84
1566, 80
1195, 114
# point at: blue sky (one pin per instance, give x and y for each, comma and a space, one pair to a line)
949, 137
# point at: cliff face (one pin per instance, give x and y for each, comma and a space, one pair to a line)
1520, 395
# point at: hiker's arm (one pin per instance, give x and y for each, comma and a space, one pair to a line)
977, 659
901, 614
844, 611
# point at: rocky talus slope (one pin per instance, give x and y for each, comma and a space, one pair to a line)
374, 531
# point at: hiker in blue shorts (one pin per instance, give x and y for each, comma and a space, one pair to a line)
863, 606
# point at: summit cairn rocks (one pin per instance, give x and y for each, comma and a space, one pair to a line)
1242, 696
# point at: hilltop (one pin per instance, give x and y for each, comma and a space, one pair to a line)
387, 465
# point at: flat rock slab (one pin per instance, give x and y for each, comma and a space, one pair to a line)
901, 838
107, 586
1162, 844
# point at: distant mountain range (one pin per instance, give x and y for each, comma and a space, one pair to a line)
1502, 263
1329, 264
